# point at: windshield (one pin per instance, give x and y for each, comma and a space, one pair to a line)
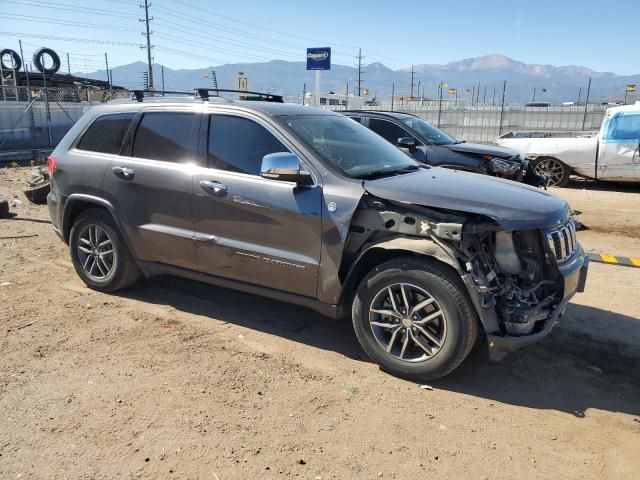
428, 132
353, 149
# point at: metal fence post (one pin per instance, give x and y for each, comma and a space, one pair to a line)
439, 104
46, 108
504, 91
586, 104
393, 93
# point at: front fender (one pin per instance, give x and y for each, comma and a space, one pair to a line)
375, 253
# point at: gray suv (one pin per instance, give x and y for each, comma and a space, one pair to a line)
309, 207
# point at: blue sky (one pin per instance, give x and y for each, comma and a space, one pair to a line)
196, 33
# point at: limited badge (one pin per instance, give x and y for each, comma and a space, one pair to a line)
332, 207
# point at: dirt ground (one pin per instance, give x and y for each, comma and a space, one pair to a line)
175, 379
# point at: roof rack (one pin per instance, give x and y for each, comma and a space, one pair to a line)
265, 97
204, 94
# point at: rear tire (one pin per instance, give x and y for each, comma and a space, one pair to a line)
99, 254
445, 328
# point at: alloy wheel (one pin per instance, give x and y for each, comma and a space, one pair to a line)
553, 169
95, 252
407, 322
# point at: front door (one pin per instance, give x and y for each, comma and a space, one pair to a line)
248, 228
151, 188
619, 155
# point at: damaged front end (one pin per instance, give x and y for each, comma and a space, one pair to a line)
515, 168
523, 280
520, 281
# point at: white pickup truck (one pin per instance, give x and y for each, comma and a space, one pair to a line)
612, 154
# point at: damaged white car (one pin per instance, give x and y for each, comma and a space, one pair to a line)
612, 154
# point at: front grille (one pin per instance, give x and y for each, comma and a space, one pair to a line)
562, 241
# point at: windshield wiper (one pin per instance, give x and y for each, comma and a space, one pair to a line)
388, 173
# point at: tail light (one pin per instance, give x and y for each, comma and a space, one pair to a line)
52, 164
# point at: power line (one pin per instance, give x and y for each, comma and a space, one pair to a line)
70, 8
253, 25
205, 35
207, 47
235, 31
70, 39
69, 23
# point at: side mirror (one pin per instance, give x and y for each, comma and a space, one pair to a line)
406, 142
284, 166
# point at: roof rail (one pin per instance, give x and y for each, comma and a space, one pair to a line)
140, 94
266, 97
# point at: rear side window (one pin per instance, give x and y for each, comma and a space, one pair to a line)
165, 136
106, 133
238, 144
387, 130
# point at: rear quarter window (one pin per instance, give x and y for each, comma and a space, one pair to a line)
165, 136
106, 133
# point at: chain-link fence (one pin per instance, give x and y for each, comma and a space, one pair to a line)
485, 122
34, 120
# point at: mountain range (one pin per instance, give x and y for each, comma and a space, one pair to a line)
551, 83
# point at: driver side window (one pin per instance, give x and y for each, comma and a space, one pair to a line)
388, 130
237, 144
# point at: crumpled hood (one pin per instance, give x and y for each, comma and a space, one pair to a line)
481, 149
514, 206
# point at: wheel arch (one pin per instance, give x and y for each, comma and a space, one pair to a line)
78, 203
397, 247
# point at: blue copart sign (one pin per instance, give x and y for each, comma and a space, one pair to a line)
319, 58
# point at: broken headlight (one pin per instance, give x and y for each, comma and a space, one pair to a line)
505, 168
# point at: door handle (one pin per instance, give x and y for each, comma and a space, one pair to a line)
125, 173
215, 188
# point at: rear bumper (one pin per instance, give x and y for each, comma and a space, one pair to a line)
574, 273
55, 206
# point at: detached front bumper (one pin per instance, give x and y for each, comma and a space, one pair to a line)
574, 273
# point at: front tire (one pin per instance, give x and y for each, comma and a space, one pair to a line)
557, 172
99, 254
414, 318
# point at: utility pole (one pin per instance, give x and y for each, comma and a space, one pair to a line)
68, 64
579, 96
214, 80
147, 19
473, 93
360, 57
493, 102
413, 72
478, 94
304, 92
106, 62
484, 95
162, 80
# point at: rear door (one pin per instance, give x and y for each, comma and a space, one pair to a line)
248, 228
619, 155
151, 188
